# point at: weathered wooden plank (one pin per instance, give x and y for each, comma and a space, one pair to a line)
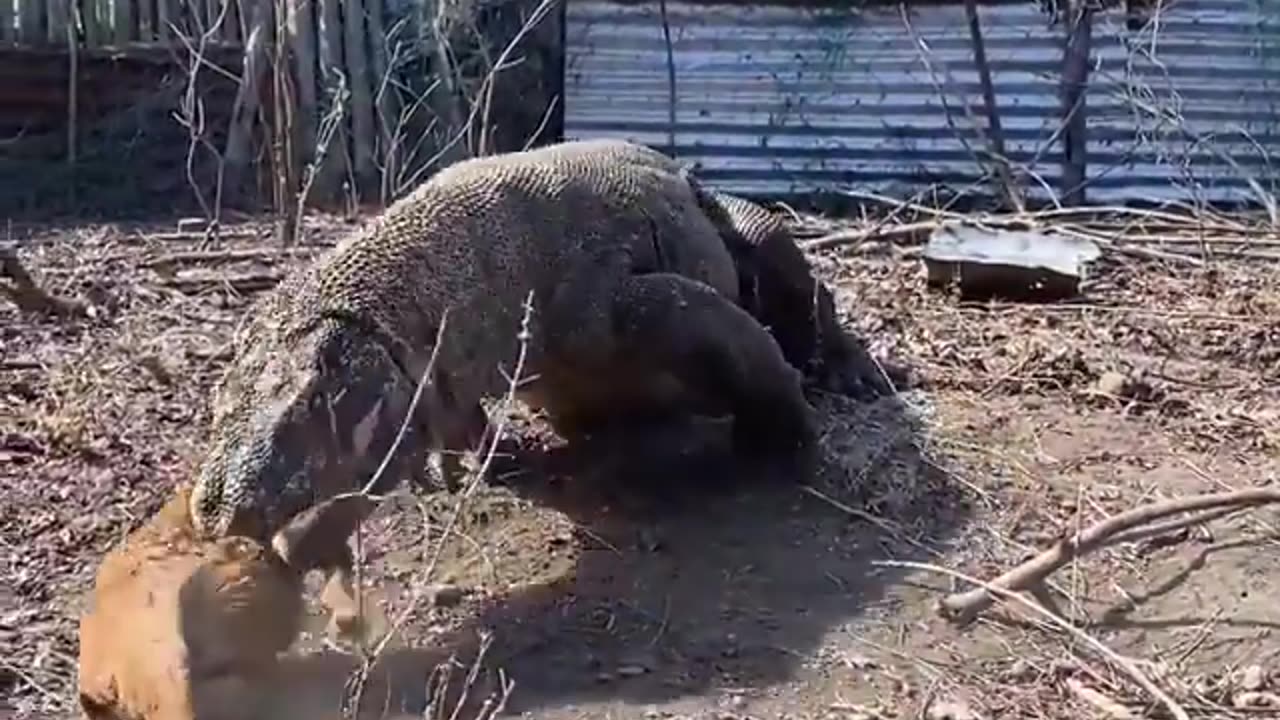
31, 21
6, 19
164, 16
57, 26
147, 21
175, 18
301, 25
228, 11
386, 110
363, 132
89, 21
122, 21
332, 74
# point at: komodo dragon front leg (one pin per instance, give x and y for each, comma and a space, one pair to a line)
687, 347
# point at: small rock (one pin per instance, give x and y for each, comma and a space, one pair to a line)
604, 678
951, 710
860, 662
632, 670
1253, 678
1063, 667
445, 596
1112, 383
1020, 670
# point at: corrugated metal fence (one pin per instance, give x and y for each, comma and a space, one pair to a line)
777, 100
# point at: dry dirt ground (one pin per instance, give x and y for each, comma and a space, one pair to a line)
657, 597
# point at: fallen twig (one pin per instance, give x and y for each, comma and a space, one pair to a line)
255, 282
1124, 664
913, 231
963, 607
201, 234
224, 256
1109, 707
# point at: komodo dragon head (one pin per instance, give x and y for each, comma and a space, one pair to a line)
305, 413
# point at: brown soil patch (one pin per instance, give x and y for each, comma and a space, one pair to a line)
753, 599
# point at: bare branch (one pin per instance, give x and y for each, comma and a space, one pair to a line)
963, 607
1121, 662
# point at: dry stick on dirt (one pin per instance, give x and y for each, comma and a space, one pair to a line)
962, 608
1123, 663
915, 231
27, 295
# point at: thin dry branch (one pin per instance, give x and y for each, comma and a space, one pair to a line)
27, 295
962, 608
224, 256
239, 284
1125, 664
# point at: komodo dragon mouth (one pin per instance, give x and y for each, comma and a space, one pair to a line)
308, 422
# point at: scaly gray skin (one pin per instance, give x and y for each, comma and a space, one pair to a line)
775, 282
634, 314
778, 288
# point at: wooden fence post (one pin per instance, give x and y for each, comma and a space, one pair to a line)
57, 30
6, 19
362, 127
122, 21
1075, 78
31, 19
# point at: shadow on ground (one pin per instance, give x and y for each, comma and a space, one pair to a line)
681, 585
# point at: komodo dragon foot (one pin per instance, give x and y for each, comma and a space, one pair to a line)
316, 539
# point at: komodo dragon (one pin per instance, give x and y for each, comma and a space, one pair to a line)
634, 309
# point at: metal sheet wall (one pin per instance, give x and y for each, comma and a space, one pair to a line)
776, 100
1185, 107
